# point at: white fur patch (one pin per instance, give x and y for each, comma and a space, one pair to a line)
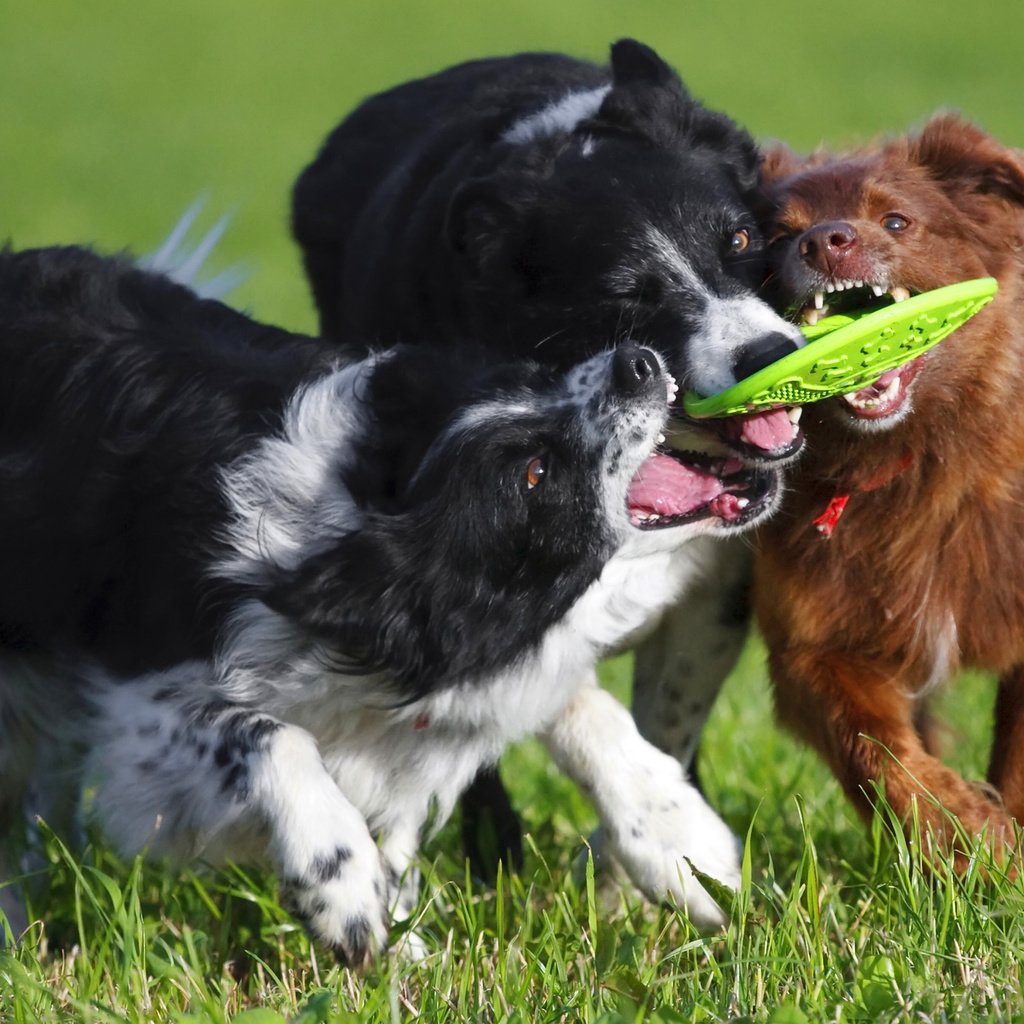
560, 116
286, 495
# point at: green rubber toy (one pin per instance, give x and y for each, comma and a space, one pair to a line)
849, 351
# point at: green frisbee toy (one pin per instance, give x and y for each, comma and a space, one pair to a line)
849, 351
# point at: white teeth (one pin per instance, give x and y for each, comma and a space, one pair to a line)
819, 299
858, 284
840, 286
887, 397
794, 413
661, 438
811, 316
742, 502
899, 293
830, 287
878, 290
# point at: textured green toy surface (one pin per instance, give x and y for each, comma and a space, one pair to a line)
849, 351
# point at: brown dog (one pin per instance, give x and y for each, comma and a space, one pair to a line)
923, 572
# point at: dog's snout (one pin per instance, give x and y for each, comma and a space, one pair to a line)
763, 352
826, 244
635, 370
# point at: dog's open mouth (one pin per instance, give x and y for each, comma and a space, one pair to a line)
671, 489
886, 396
841, 296
770, 436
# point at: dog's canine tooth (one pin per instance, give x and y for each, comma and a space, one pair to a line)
899, 293
819, 299
794, 413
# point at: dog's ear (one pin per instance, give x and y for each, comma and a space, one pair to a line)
632, 62
354, 599
779, 161
649, 100
646, 97
478, 215
964, 160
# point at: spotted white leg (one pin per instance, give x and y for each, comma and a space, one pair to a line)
188, 776
654, 819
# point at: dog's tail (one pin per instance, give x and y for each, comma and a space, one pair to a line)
183, 262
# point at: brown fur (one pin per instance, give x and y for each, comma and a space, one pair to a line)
861, 625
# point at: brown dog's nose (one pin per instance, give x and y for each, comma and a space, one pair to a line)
826, 245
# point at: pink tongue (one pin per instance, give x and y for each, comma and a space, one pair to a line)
664, 486
768, 430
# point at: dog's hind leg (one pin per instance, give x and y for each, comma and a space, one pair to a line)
182, 772
491, 829
681, 667
656, 824
1006, 766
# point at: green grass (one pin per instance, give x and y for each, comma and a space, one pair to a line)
832, 922
116, 115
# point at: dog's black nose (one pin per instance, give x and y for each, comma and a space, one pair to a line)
762, 352
634, 369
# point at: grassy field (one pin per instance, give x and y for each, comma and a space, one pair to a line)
116, 116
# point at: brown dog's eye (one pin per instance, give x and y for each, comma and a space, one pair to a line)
895, 222
739, 241
535, 471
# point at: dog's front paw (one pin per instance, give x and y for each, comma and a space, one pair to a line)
341, 898
663, 835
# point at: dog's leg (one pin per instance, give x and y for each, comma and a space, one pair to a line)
208, 778
398, 847
681, 667
655, 822
491, 829
1006, 767
18, 742
861, 719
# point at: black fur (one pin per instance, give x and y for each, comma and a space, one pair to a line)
124, 396
419, 219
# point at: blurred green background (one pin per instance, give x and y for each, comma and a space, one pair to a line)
116, 115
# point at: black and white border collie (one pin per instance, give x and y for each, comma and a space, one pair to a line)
549, 207
271, 601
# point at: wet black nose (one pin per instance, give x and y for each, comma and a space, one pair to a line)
762, 352
635, 370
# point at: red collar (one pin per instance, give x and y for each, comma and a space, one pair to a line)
826, 522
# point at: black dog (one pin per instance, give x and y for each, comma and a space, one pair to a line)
275, 601
548, 207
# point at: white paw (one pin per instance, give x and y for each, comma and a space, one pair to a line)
341, 897
669, 826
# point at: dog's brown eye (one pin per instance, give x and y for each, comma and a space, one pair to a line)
895, 222
739, 241
535, 471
